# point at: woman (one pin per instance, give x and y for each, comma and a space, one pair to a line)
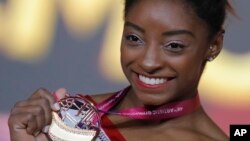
165, 47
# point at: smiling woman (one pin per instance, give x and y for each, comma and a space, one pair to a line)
165, 46
221, 79
175, 50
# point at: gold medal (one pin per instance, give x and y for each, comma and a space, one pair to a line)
77, 120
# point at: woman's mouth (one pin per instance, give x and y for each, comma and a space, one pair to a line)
151, 82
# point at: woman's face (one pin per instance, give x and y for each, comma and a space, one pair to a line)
164, 47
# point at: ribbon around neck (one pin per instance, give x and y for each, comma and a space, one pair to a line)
167, 111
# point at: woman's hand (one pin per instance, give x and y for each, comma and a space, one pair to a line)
30, 119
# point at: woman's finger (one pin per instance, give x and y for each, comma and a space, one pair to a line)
60, 93
39, 107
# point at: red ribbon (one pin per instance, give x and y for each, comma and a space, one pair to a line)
167, 111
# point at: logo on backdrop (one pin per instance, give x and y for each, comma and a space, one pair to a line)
239, 132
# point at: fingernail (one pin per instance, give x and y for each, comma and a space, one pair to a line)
56, 106
46, 129
60, 93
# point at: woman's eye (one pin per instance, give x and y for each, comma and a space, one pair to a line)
133, 39
174, 47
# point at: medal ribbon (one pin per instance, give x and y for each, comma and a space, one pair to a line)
167, 111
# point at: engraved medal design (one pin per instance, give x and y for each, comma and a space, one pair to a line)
77, 120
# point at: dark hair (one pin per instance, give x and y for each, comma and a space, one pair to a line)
212, 12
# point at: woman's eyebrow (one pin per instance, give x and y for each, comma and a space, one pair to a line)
129, 24
178, 32
167, 33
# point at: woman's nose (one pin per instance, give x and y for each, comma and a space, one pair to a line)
151, 60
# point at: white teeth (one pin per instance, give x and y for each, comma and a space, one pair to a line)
152, 81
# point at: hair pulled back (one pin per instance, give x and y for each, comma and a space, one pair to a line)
212, 12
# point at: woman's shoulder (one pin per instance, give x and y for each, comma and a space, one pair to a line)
205, 127
194, 135
199, 128
194, 127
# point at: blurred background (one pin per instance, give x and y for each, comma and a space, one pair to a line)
75, 44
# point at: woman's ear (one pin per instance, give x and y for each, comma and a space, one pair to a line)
215, 46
